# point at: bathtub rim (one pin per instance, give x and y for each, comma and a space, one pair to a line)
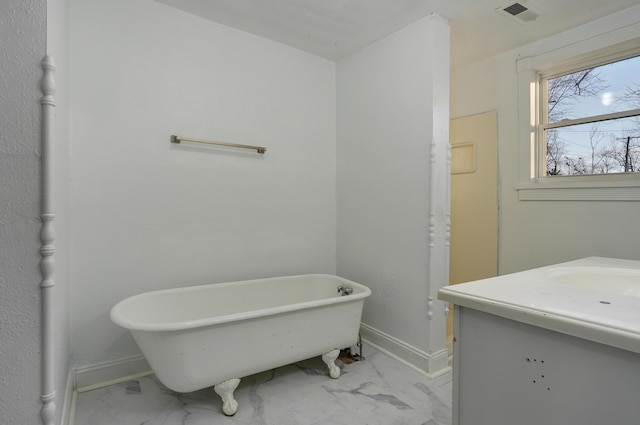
117, 316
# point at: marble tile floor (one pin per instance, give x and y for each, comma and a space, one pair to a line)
377, 391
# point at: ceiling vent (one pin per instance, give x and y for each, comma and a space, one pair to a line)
519, 11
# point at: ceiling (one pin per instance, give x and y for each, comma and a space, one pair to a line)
335, 28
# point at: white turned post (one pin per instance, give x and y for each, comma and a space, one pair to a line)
329, 359
439, 200
225, 391
47, 236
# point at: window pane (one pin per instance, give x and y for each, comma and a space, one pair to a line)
602, 90
597, 148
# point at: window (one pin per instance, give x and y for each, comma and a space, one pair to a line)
590, 120
580, 122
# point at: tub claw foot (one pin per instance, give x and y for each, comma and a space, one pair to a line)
329, 359
225, 391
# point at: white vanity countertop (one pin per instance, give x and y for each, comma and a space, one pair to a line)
544, 297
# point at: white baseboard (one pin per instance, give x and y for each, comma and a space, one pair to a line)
430, 365
102, 374
68, 404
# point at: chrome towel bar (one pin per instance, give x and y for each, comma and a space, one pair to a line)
178, 139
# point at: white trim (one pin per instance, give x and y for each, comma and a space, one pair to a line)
610, 187
69, 407
113, 381
578, 194
590, 119
435, 360
100, 375
528, 105
95, 376
47, 250
533, 186
430, 365
71, 419
624, 39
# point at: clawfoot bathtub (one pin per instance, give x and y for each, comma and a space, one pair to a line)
213, 335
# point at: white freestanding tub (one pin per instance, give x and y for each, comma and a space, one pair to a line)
212, 335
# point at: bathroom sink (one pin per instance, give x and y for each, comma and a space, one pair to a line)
612, 280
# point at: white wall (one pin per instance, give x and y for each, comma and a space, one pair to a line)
148, 214
535, 233
387, 120
23, 34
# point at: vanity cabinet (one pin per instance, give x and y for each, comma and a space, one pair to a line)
511, 373
541, 348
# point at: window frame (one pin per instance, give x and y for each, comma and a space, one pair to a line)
533, 183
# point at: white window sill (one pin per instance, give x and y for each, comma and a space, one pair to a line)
559, 189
